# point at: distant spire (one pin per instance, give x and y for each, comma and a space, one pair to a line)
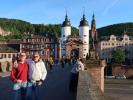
93, 32
66, 12
83, 10
83, 21
67, 21
93, 22
83, 13
83, 16
93, 16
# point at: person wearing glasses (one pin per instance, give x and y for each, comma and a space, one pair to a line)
19, 75
37, 74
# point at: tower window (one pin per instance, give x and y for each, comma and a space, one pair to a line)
126, 39
9, 55
113, 39
84, 41
4, 55
63, 35
112, 44
84, 35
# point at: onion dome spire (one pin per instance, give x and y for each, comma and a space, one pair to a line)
83, 21
66, 22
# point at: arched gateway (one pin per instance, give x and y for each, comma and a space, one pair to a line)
74, 47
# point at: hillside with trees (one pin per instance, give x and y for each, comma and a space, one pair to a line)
19, 29
116, 29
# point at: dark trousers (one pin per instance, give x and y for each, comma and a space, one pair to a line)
73, 82
33, 89
20, 89
62, 64
51, 67
22, 92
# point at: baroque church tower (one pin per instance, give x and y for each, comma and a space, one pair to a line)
93, 53
93, 32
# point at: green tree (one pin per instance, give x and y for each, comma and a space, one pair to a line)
119, 55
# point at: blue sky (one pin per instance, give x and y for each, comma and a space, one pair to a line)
53, 11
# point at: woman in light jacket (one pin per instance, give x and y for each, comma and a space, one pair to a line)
37, 74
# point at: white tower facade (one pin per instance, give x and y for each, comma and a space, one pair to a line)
65, 29
84, 35
65, 32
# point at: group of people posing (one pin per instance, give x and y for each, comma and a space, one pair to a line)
28, 76
29, 73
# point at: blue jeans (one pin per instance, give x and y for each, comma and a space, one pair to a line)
33, 88
20, 88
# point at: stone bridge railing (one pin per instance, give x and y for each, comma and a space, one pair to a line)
87, 88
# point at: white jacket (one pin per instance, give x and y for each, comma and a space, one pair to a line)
77, 67
37, 71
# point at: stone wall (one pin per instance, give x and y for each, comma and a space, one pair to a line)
117, 70
129, 72
87, 88
96, 70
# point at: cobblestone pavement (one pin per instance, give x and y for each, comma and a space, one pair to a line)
55, 86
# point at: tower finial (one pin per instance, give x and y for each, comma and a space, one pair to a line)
66, 16
83, 13
93, 15
83, 10
66, 11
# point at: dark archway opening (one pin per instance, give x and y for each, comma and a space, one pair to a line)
75, 52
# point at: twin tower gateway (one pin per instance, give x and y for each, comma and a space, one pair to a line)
79, 43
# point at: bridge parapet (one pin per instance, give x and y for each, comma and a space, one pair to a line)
87, 88
5, 66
